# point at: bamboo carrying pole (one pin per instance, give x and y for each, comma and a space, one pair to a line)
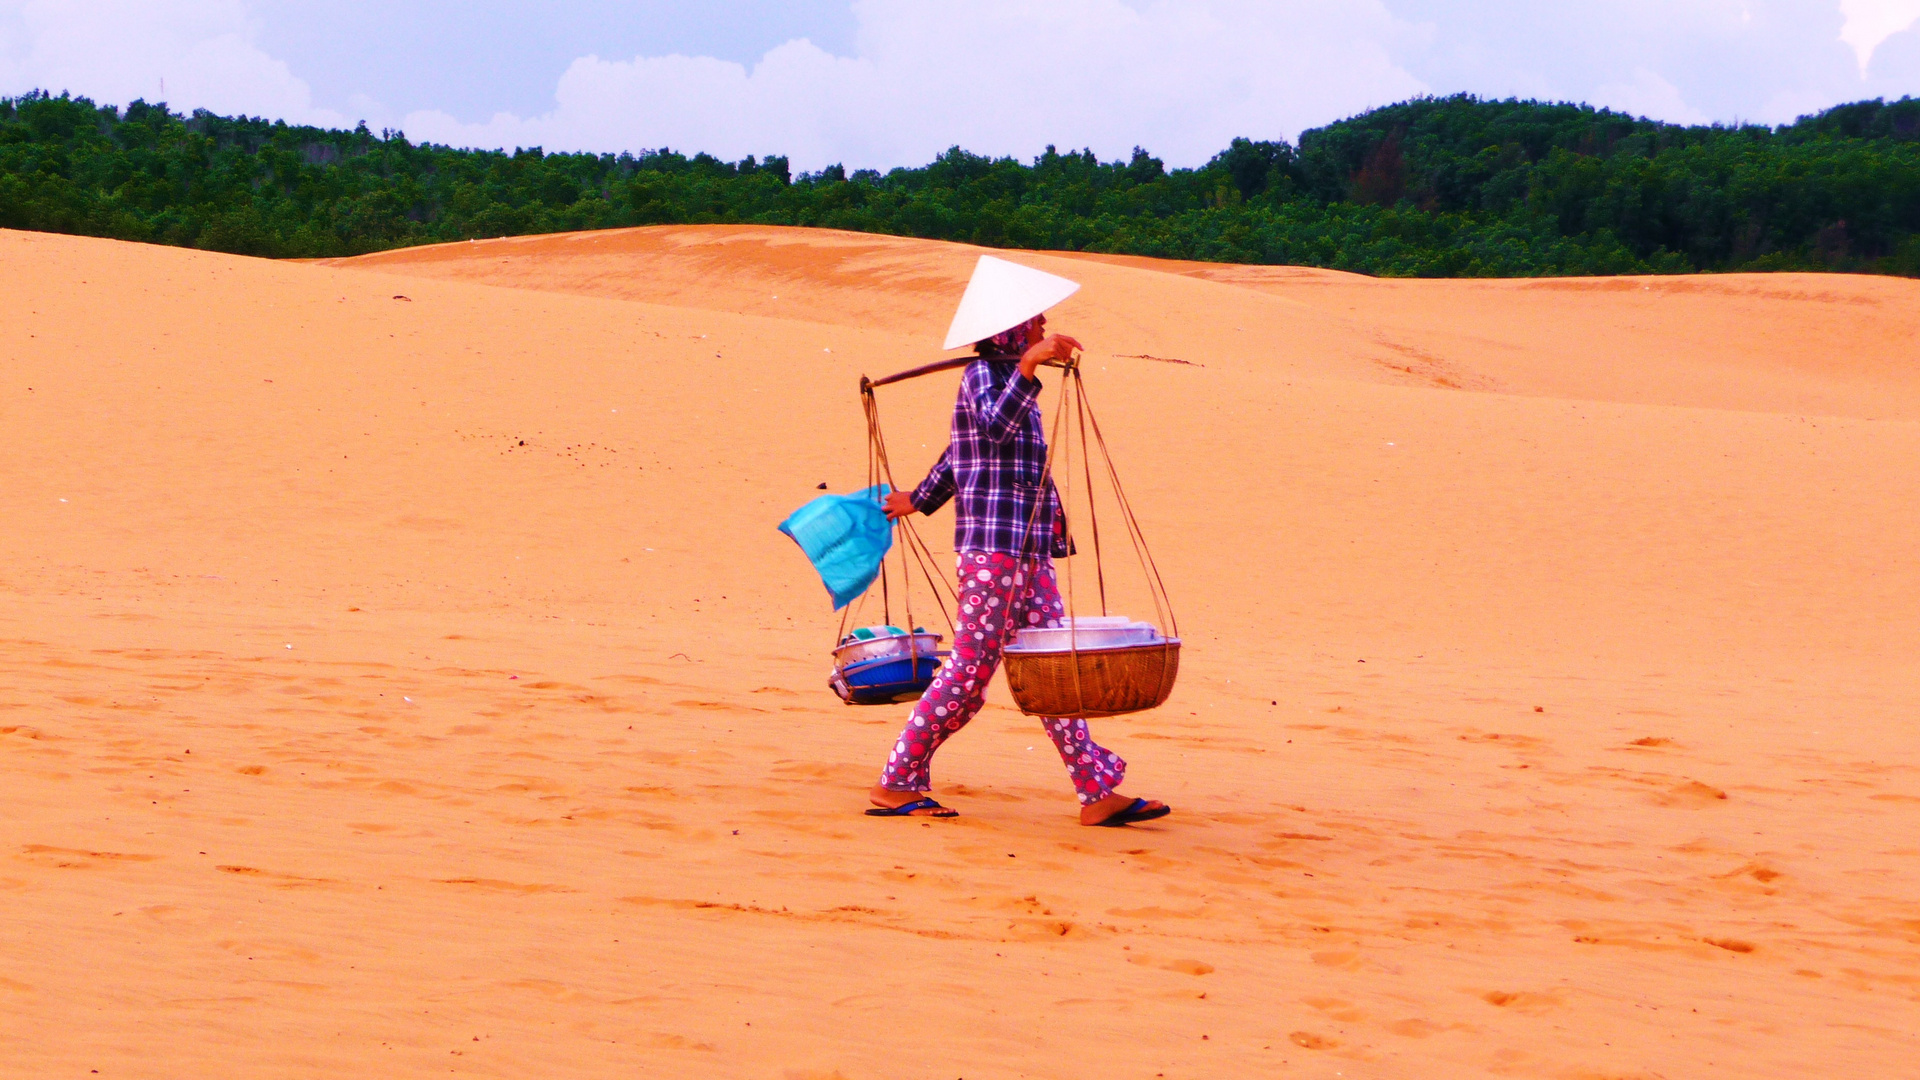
934, 368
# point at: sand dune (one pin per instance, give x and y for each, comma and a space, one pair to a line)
1797, 343
400, 674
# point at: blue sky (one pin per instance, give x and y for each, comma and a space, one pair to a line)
892, 82
475, 59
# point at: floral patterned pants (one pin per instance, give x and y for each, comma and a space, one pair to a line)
998, 595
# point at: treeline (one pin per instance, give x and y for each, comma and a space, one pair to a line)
1430, 187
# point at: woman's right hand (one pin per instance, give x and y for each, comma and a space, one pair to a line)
1051, 347
897, 504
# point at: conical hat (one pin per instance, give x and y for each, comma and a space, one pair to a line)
1001, 296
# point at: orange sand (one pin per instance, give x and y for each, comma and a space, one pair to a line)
1547, 706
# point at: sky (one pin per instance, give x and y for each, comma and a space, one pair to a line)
880, 83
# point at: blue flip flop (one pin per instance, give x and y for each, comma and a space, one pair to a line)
1139, 811
907, 810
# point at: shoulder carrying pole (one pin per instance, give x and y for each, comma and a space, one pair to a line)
933, 368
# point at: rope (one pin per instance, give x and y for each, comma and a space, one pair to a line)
1075, 403
1073, 627
1157, 589
1027, 553
1093, 512
1163, 603
923, 557
906, 537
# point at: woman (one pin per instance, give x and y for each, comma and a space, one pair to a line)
1007, 531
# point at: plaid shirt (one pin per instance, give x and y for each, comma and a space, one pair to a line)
993, 466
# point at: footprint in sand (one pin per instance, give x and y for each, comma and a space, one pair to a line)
1415, 1028
495, 885
1344, 1011
1307, 1040
1041, 930
1195, 968
1760, 872
1691, 793
663, 1041
279, 881
1345, 961
78, 859
1523, 1001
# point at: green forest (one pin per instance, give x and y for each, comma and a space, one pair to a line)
1432, 187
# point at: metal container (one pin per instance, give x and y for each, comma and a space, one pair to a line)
885, 680
922, 643
1085, 634
886, 670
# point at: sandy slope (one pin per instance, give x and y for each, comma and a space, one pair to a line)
397, 686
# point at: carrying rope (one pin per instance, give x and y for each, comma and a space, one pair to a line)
1075, 405
1157, 588
1073, 401
906, 539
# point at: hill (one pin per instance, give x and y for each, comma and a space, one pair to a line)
1449, 187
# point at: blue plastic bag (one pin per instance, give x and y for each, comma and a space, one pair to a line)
846, 537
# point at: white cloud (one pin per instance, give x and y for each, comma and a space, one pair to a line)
1649, 96
190, 53
995, 76
1871, 22
1180, 77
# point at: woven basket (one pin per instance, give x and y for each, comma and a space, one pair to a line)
1112, 681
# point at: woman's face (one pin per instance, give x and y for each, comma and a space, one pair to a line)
1036, 330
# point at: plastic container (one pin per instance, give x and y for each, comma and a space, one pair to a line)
884, 665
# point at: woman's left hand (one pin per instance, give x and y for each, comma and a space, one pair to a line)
896, 505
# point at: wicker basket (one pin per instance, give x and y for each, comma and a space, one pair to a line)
1112, 681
